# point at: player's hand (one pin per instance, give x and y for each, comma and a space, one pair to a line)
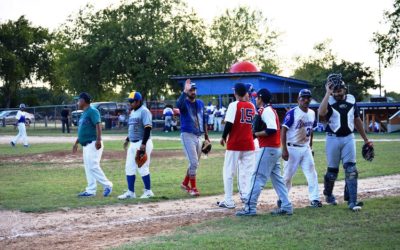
126, 145
329, 87
98, 144
187, 86
222, 142
285, 154
75, 148
142, 148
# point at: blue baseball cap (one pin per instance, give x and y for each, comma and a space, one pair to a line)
134, 96
305, 93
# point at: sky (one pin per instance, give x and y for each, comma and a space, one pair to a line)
349, 24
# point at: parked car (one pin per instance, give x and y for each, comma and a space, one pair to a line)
9, 116
106, 109
157, 108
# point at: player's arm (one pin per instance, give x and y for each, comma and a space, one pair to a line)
205, 127
98, 132
323, 107
227, 130
75, 147
285, 152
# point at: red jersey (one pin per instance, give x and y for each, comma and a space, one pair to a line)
241, 115
271, 119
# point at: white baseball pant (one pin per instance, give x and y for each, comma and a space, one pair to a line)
130, 166
21, 134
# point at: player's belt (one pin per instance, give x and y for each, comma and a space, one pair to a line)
134, 141
84, 144
295, 145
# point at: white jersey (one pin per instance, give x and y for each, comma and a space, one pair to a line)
300, 125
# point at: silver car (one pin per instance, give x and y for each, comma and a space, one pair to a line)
9, 116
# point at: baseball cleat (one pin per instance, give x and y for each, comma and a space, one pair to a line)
127, 195
185, 188
194, 192
12, 143
316, 203
26, 146
279, 203
280, 211
225, 205
86, 194
107, 191
356, 207
331, 200
147, 194
245, 213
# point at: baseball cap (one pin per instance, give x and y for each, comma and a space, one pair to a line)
85, 96
265, 95
22, 106
134, 96
193, 85
305, 93
240, 89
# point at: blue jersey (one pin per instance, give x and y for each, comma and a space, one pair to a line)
192, 115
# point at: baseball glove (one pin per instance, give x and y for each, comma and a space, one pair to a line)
368, 151
140, 158
206, 147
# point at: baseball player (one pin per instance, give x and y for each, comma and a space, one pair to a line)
210, 111
268, 160
20, 117
89, 136
168, 114
193, 125
342, 115
139, 130
238, 137
297, 135
218, 116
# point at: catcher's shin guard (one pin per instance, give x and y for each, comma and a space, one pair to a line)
351, 181
329, 180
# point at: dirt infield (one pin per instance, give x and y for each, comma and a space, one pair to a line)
102, 227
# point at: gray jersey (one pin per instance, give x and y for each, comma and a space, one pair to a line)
138, 120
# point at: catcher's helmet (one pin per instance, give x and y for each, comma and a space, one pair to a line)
336, 80
305, 93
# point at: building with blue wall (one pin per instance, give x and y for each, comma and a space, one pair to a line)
283, 89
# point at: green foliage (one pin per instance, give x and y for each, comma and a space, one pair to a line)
242, 34
133, 47
316, 68
389, 43
394, 95
24, 55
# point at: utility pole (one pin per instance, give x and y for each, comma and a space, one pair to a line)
379, 72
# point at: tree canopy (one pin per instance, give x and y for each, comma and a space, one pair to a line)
25, 55
389, 43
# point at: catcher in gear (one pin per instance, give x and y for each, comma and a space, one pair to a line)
342, 114
140, 147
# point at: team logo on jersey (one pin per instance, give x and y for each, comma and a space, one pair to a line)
302, 124
343, 106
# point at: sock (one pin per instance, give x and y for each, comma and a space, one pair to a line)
146, 181
131, 182
192, 182
186, 180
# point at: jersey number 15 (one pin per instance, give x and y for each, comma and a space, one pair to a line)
246, 115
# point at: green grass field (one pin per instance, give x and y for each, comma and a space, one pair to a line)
35, 186
376, 227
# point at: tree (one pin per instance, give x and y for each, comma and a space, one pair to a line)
389, 43
394, 95
132, 47
242, 34
316, 68
24, 56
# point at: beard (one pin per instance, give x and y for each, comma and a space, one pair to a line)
192, 97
